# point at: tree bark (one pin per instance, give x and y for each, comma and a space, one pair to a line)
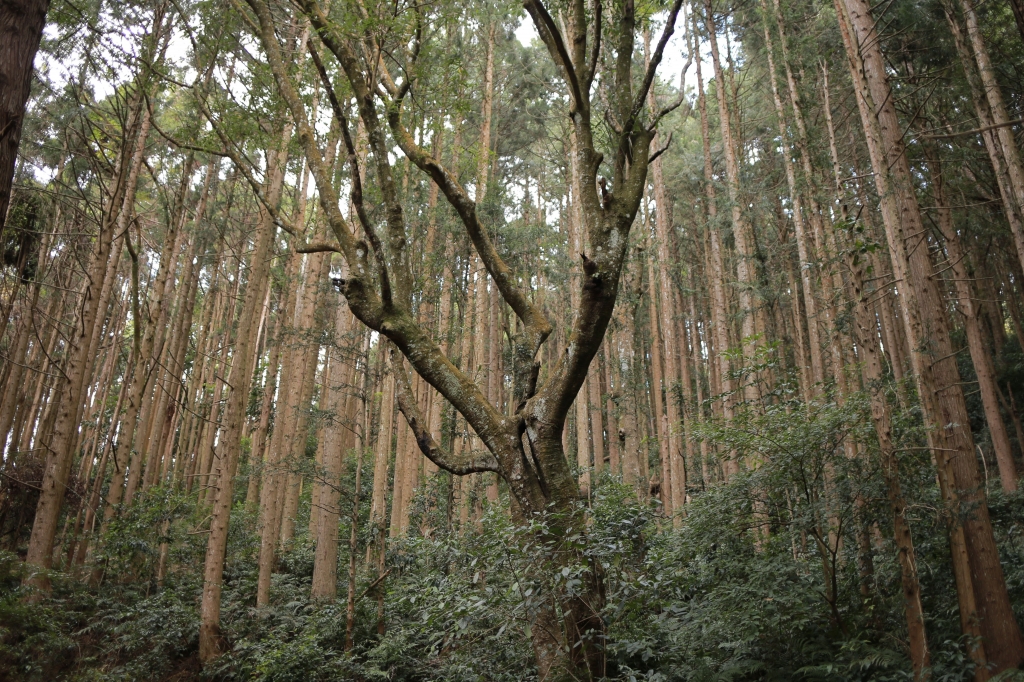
980, 580
719, 304
1003, 132
675, 474
806, 266
21, 29
874, 380
994, 144
65, 430
296, 448
211, 640
741, 228
981, 355
327, 511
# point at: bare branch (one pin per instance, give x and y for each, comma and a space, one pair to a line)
975, 131
460, 466
411, 61
317, 247
504, 278
661, 151
652, 68
677, 102
552, 37
364, 90
595, 45
356, 178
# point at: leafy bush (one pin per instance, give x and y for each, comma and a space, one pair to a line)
762, 578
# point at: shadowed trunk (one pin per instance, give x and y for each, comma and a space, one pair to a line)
21, 29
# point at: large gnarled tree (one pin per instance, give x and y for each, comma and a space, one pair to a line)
378, 56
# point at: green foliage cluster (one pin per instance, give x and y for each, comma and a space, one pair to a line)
735, 590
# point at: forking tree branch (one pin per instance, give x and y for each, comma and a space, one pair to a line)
552, 37
540, 476
395, 320
355, 177
364, 90
369, 303
659, 53
469, 463
531, 315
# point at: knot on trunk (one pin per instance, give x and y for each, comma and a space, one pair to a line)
590, 269
606, 196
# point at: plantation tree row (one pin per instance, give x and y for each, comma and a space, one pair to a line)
348, 277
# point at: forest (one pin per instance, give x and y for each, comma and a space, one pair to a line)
563, 340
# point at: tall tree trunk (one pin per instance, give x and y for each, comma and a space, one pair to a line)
657, 382
327, 511
981, 355
103, 386
211, 640
871, 363
995, 145
670, 343
719, 304
258, 456
375, 550
275, 473
698, 408
806, 266
1003, 131
977, 569
21, 29
487, 108
741, 227
60, 455
18, 366
296, 448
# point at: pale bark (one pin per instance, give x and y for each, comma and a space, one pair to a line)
381, 465
211, 640
327, 510
675, 473
577, 247
661, 420
742, 230
96, 409
806, 265
196, 390
275, 472
698, 356
296, 448
607, 389
65, 430
160, 310
486, 112
719, 304
399, 495
258, 456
